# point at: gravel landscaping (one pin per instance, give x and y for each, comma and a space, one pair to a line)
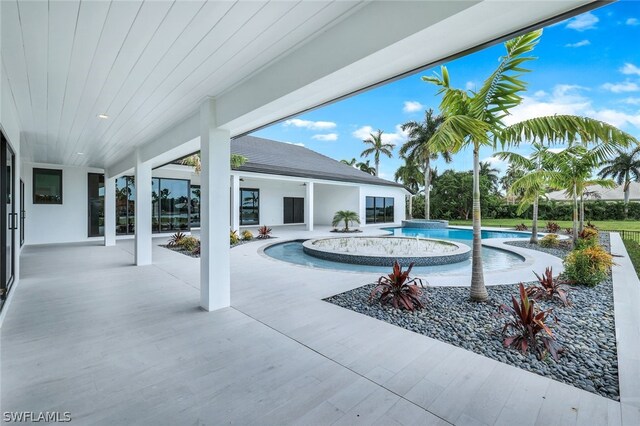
190, 254
586, 330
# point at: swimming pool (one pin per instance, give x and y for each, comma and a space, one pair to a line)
455, 234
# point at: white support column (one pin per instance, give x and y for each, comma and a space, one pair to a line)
215, 152
362, 207
308, 208
235, 202
143, 243
109, 211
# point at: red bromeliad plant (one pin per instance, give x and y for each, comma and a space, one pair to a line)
552, 227
176, 239
264, 232
398, 289
526, 329
548, 288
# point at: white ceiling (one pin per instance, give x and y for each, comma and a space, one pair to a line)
149, 64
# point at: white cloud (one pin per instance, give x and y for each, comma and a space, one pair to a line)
470, 85
629, 69
412, 106
569, 99
578, 44
625, 86
365, 132
556, 150
540, 93
311, 125
632, 21
326, 137
295, 143
586, 21
631, 101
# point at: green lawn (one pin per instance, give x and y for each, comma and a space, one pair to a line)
633, 249
605, 225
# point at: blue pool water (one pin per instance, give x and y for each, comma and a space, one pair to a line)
493, 259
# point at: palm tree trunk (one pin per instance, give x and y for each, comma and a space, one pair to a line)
427, 184
411, 206
581, 227
478, 290
377, 167
534, 225
627, 184
575, 215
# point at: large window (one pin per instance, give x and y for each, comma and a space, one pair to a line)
47, 186
195, 206
125, 205
249, 206
173, 203
379, 209
96, 204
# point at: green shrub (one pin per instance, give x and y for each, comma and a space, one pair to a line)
549, 241
189, 243
247, 235
234, 238
588, 266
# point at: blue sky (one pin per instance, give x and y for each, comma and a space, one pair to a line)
588, 65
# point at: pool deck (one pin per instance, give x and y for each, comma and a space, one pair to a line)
112, 343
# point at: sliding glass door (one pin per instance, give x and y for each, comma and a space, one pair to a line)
8, 218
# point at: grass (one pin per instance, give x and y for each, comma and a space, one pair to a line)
633, 249
605, 225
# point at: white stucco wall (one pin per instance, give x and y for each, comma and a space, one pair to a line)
331, 198
272, 193
58, 223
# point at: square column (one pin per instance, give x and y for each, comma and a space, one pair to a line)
143, 243
109, 211
235, 202
215, 153
308, 208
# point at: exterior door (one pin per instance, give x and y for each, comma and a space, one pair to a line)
9, 219
293, 210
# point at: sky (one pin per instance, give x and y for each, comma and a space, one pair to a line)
588, 65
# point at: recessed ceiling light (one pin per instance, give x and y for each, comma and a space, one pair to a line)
80, 153
103, 116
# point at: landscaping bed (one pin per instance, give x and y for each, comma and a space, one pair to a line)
586, 330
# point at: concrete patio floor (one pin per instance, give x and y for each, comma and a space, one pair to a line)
111, 343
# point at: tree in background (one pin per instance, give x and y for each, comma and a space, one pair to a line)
419, 149
195, 161
624, 168
491, 173
377, 147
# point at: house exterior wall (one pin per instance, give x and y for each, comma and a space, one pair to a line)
398, 195
272, 193
331, 198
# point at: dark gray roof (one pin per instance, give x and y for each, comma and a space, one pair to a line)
279, 158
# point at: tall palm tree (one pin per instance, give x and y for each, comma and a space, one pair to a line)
469, 119
624, 168
419, 147
410, 175
530, 189
491, 173
512, 174
377, 147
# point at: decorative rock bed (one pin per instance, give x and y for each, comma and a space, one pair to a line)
425, 224
384, 251
586, 329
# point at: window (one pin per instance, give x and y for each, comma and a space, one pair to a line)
174, 205
195, 206
379, 209
47, 186
125, 205
249, 206
96, 204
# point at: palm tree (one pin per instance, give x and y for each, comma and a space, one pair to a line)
195, 161
418, 147
512, 174
624, 169
377, 147
469, 119
351, 162
491, 173
366, 167
346, 216
530, 189
410, 175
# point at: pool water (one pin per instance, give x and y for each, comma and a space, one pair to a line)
493, 259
